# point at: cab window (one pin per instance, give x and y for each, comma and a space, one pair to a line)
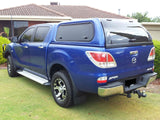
41, 33
27, 36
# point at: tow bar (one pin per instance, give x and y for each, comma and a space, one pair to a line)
138, 92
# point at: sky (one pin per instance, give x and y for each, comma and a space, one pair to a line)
125, 6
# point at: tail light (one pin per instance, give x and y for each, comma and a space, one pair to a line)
153, 69
151, 54
101, 59
102, 79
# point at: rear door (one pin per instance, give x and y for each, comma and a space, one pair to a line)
38, 50
130, 45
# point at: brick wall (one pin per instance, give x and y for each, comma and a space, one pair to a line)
35, 22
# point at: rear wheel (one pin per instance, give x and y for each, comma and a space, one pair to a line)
11, 68
62, 89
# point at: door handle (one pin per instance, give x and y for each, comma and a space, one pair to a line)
25, 46
40, 46
133, 52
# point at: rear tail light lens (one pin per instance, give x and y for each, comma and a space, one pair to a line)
151, 54
101, 59
153, 69
102, 79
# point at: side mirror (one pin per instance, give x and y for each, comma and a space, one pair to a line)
14, 39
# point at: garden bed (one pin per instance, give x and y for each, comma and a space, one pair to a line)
153, 87
3, 66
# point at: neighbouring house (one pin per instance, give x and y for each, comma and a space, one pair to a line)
19, 18
153, 28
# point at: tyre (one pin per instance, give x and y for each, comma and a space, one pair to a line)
11, 68
62, 89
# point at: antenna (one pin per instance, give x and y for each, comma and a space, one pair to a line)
119, 11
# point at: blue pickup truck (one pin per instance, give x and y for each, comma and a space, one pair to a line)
101, 56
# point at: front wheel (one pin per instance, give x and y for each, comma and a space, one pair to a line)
62, 89
11, 68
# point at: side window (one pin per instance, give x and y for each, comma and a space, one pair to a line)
75, 32
41, 33
27, 36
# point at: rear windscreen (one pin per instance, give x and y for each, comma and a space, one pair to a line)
125, 33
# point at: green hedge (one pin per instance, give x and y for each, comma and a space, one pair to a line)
3, 40
157, 60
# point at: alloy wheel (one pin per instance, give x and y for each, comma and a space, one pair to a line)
60, 89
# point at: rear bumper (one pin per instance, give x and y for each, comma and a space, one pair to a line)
119, 87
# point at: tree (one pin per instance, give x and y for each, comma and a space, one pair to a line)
142, 17
156, 19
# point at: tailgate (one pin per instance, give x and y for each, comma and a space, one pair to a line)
131, 47
131, 61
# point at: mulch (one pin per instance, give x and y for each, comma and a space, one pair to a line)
3, 66
153, 87
156, 82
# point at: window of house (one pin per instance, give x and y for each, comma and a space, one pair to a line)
41, 33
75, 32
19, 27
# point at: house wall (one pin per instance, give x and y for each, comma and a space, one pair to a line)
13, 30
154, 30
35, 22
40, 22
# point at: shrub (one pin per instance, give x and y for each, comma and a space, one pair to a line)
3, 40
157, 60
6, 30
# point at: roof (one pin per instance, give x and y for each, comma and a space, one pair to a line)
29, 10
83, 12
58, 11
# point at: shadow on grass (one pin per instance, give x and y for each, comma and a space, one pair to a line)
119, 108
93, 101
46, 90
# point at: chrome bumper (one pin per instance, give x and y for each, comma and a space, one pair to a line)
103, 92
152, 78
120, 88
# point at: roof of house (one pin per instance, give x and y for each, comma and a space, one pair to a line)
29, 10
82, 11
58, 11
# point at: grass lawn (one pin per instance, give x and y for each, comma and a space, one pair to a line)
23, 99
